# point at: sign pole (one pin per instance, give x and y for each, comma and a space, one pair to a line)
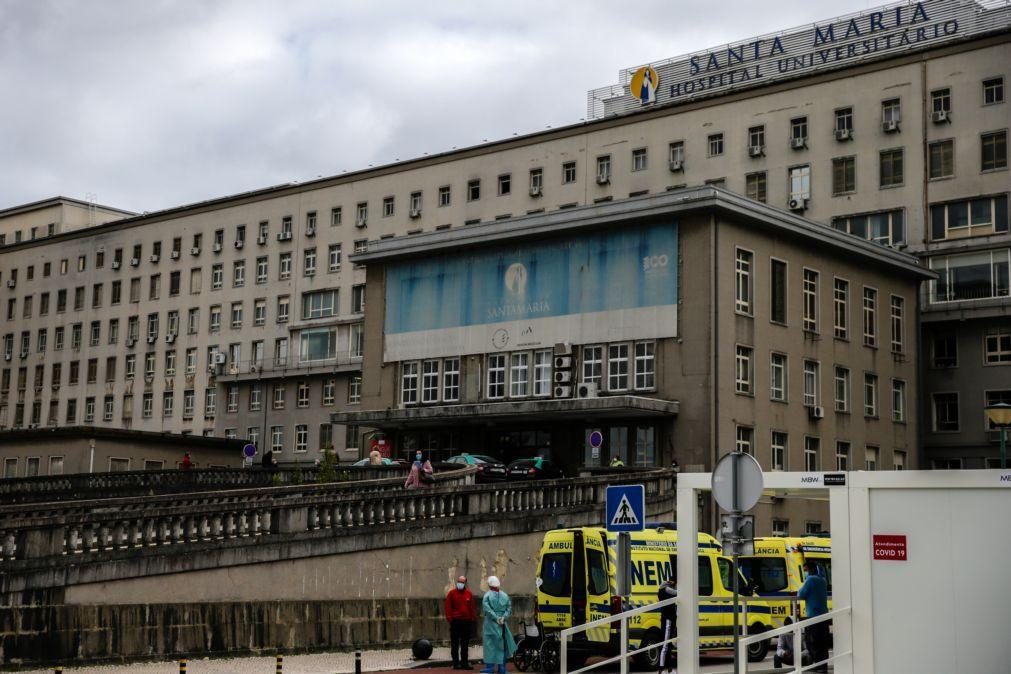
735, 527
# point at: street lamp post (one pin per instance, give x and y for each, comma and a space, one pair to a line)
999, 415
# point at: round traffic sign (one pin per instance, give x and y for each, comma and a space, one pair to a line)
749, 482
596, 439
249, 450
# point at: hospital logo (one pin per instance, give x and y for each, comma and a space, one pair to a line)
516, 278
643, 85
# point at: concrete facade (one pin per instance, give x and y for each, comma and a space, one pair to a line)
188, 260
50, 217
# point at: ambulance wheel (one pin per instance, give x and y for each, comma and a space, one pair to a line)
551, 657
758, 650
649, 659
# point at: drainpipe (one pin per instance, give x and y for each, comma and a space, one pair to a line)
714, 369
91, 458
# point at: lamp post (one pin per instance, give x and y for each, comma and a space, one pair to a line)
999, 415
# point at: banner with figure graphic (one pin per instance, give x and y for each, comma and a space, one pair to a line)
606, 286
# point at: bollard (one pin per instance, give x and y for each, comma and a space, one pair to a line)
358, 661
280, 663
182, 666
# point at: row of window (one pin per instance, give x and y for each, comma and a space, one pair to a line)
779, 386
996, 348
945, 414
776, 455
745, 303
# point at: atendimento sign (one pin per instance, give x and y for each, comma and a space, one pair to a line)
835, 43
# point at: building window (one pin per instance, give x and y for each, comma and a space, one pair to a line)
844, 175
316, 344
593, 364
971, 217
444, 195
645, 366
778, 377
755, 186
870, 314
473, 190
640, 160
496, 376
505, 185
798, 131
800, 182
871, 457
430, 381
746, 440
897, 318
239, 272
870, 395
997, 347
283, 308
844, 120
756, 140
676, 154
388, 207
309, 262
842, 389
302, 395
354, 390
780, 527
810, 293
356, 342
542, 372
277, 439
536, 181
780, 444
358, 298
941, 159
842, 455
885, 227
940, 100
812, 454
840, 300
333, 259
779, 292
259, 312
284, 266
898, 400
742, 297
336, 214
319, 304
568, 172
971, 276
810, 383
715, 144
301, 437
891, 111
891, 168
451, 379
993, 91
279, 396
362, 214
604, 169
744, 370
993, 147
617, 367
519, 375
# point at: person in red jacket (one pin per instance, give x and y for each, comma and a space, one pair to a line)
461, 616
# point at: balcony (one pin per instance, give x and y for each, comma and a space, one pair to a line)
280, 368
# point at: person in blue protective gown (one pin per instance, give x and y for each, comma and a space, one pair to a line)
498, 640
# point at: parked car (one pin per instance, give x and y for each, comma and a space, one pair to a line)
365, 462
489, 469
535, 468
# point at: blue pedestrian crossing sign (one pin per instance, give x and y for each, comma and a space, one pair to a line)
626, 508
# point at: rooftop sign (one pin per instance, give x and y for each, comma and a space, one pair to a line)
835, 43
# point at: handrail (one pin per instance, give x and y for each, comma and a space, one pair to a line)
623, 653
796, 628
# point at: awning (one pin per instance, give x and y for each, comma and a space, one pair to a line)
512, 412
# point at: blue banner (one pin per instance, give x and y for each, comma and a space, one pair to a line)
625, 269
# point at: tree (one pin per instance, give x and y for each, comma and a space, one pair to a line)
328, 468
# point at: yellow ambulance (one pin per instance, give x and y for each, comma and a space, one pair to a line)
777, 568
576, 584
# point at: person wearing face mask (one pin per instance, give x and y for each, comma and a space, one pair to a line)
461, 616
498, 641
421, 474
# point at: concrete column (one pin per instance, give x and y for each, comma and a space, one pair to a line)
290, 520
35, 543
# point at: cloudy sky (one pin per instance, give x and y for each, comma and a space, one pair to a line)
147, 104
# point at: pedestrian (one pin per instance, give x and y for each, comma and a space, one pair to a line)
616, 462
784, 648
668, 625
421, 474
461, 616
498, 642
187, 462
814, 592
268, 459
375, 458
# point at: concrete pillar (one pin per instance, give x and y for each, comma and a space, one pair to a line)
290, 520
35, 543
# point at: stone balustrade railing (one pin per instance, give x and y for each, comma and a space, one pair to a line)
146, 482
70, 532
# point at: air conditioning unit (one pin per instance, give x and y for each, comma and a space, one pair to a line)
588, 390
216, 248
174, 255
940, 116
415, 213
155, 258
134, 261
563, 377
261, 240
816, 412
115, 264
798, 143
24, 354
797, 204
890, 126
361, 222
170, 338
284, 236
843, 134
563, 349
151, 339
7, 356
676, 165
755, 151
563, 391
219, 358
252, 368
239, 243
603, 179
536, 191
195, 251
310, 231
11, 283
130, 341
563, 362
